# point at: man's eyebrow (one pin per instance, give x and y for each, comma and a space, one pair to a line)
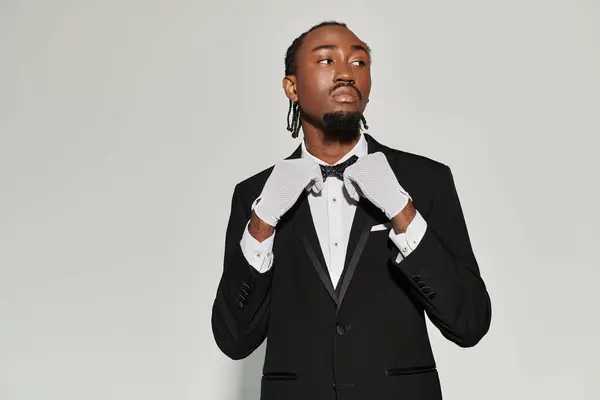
361, 47
325, 46
355, 47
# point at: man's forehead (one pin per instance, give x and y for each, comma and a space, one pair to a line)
331, 35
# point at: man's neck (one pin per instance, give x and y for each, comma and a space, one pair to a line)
326, 149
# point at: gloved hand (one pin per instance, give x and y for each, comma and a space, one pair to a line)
372, 177
284, 186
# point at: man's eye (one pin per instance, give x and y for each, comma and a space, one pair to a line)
325, 61
360, 62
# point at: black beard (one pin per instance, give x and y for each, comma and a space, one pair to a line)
342, 126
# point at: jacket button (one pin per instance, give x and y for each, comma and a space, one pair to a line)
431, 295
240, 305
426, 289
421, 284
416, 278
341, 329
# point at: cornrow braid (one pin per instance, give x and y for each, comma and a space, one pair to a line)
294, 125
364, 122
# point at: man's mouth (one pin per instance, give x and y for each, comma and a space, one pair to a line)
345, 94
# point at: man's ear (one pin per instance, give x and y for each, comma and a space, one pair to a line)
289, 87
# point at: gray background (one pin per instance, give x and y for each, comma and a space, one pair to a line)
124, 126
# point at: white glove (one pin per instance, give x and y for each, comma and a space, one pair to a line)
373, 178
284, 186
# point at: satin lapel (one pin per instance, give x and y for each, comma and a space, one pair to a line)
303, 222
359, 233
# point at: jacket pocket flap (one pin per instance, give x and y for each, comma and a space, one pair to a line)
280, 376
410, 370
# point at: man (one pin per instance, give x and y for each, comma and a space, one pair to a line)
335, 254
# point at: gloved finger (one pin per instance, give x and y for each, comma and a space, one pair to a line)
350, 188
318, 182
315, 186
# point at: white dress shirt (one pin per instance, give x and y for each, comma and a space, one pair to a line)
333, 212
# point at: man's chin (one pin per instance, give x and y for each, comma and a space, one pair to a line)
342, 125
342, 117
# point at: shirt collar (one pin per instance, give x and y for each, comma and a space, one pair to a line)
359, 150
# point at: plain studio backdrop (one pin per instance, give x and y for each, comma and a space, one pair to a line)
124, 126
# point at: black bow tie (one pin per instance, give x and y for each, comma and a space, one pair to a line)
337, 170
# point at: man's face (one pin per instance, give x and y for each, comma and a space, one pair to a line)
333, 73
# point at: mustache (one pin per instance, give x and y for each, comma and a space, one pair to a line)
342, 84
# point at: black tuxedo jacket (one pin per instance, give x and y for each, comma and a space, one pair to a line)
367, 338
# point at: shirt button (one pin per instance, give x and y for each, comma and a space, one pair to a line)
335, 244
404, 249
334, 199
257, 255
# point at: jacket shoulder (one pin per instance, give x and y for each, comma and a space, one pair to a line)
256, 180
422, 176
415, 162
250, 188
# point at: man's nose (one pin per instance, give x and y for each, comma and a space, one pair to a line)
344, 74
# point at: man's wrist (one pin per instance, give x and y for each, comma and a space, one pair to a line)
401, 220
259, 229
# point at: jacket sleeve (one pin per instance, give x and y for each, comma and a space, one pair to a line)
443, 273
241, 307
